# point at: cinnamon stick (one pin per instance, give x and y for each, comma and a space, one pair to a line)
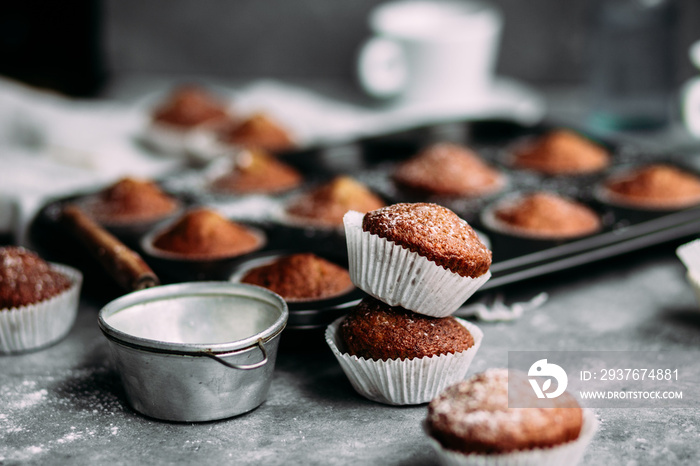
124, 265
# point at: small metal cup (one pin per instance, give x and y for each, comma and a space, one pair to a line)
195, 352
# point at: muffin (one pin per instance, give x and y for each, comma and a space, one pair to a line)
187, 118
204, 234
471, 423
375, 330
259, 131
449, 170
130, 201
190, 106
301, 277
420, 256
256, 171
326, 205
561, 152
655, 186
38, 300
542, 215
394, 356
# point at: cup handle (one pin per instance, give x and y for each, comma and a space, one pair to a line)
691, 106
242, 367
381, 67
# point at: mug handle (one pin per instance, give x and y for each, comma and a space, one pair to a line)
382, 68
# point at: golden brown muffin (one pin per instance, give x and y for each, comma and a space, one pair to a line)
473, 416
433, 232
259, 131
256, 171
655, 186
129, 201
450, 170
327, 204
26, 279
375, 330
300, 277
190, 106
547, 216
561, 152
203, 233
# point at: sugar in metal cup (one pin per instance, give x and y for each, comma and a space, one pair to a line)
195, 352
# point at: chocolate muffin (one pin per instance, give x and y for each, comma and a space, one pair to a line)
326, 205
204, 234
449, 170
256, 171
189, 106
26, 279
656, 186
300, 277
543, 215
259, 131
561, 152
434, 232
375, 330
473, 416
130, 201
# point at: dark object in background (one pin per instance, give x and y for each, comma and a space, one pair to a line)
54, 45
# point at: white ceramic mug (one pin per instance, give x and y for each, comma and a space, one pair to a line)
690, 95
437, 51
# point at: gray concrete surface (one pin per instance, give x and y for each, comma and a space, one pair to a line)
65, 405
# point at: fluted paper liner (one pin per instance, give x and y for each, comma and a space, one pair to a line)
403, 278
403, 381
40, 324
569, 453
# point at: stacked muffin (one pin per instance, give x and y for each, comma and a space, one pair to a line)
419, 262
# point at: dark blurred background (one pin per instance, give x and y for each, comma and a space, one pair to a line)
76, 46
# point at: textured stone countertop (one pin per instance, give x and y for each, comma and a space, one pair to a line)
65, 405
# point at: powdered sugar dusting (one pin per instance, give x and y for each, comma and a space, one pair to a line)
66, 404
432, 231
478, 409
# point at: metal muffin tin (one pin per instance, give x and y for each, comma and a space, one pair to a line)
373, 161
307, 314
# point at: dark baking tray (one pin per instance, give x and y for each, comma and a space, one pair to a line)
516, 259
372, 160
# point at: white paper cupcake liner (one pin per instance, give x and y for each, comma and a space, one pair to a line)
403, 381
41, 324
568, 454
403, 278
198, 143
694, 281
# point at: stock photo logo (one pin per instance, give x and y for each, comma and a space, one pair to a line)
543, 370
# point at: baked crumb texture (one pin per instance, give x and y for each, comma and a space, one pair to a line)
204, 233
26, 279
561, 152
327, 204
189, 106
449, 170
256, 171
375, 330
473, 416
300, 277
434, 232
655, 186
259, 131
130, 200
546, 215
